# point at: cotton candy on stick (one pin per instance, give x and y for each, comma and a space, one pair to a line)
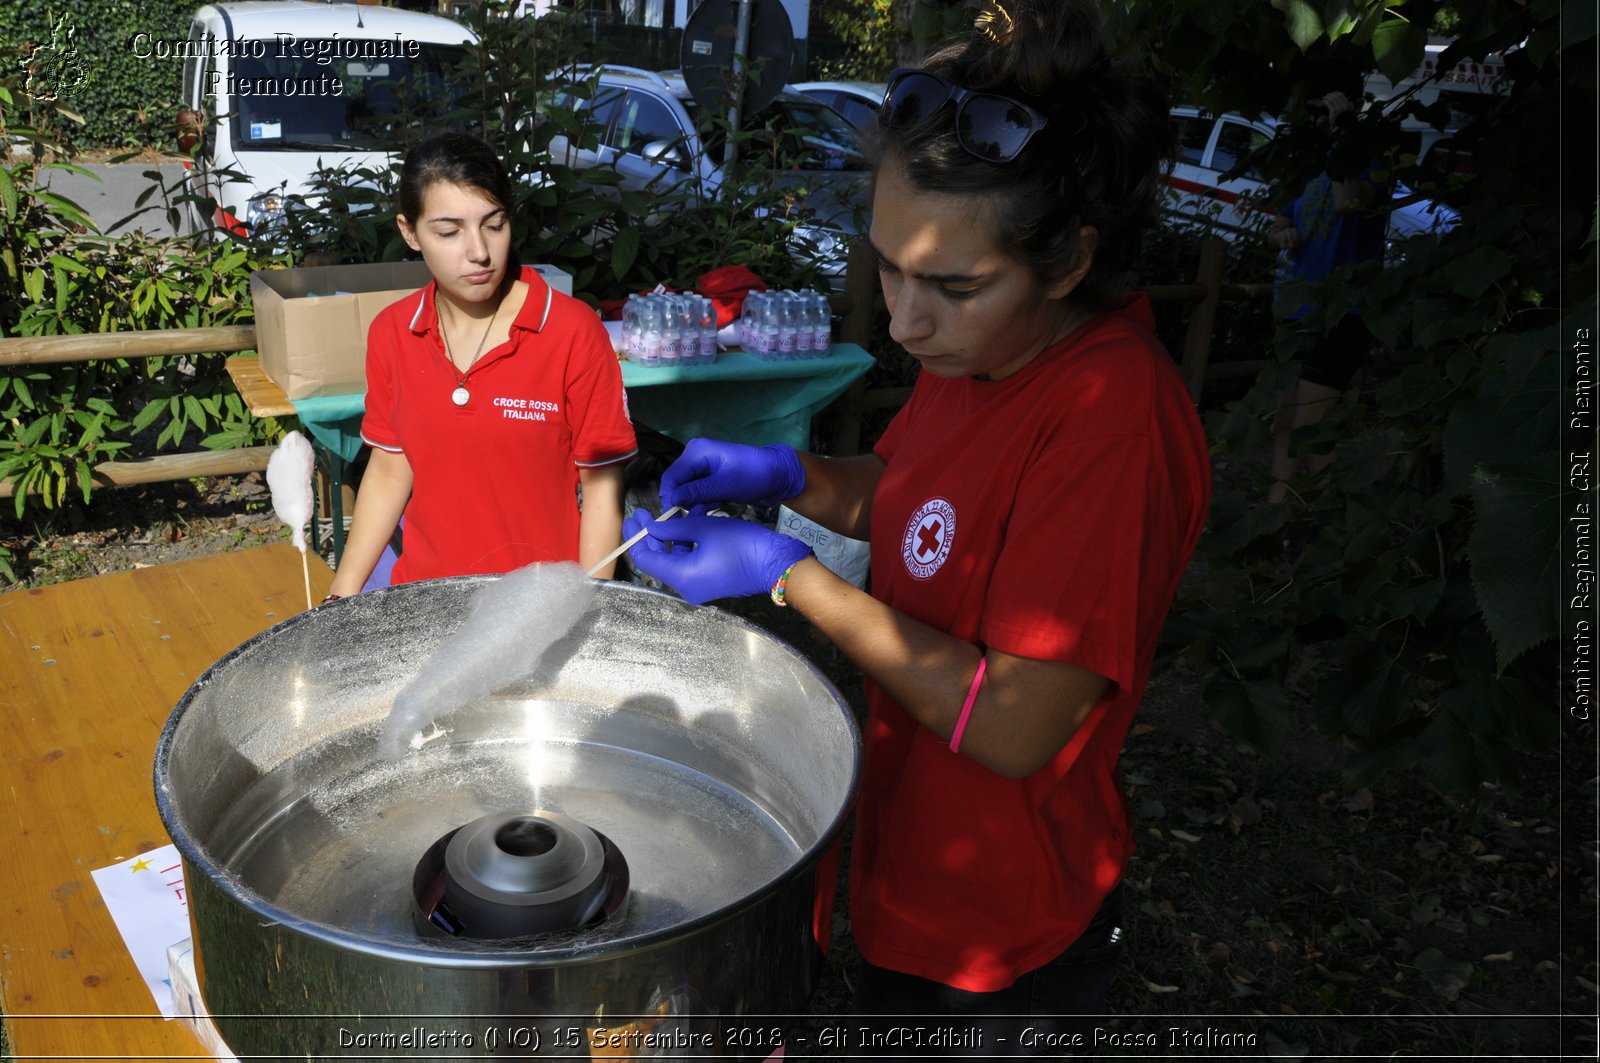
289, 473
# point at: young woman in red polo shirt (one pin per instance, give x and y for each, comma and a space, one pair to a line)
1030, 511
491, 398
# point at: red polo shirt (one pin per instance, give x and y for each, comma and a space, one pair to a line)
495, 481
1048, 515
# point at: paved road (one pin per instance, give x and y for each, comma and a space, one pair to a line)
112, 197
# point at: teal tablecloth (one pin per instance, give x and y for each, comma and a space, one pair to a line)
738, 398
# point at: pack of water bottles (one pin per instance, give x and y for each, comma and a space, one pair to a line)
669, 329
779, 326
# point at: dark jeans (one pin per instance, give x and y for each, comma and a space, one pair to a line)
901, 1014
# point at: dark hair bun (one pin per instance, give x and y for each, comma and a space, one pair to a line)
1101, 160
1037, 48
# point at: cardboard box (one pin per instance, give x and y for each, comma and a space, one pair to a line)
311, 323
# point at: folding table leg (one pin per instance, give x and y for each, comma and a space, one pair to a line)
331, 472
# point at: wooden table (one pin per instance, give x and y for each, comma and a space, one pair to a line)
89, 671
261, 396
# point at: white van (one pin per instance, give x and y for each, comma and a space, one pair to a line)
275, 89
1467, 90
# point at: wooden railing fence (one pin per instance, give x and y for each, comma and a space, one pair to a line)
855, 305
152, 343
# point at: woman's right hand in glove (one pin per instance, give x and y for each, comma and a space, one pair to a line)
710, 471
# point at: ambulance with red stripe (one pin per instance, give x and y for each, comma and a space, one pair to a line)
273, 90
1209, 146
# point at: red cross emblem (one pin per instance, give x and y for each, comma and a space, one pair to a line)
928, 538
929, 535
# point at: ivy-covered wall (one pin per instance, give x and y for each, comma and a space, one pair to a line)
84, 51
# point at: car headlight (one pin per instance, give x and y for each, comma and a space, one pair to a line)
265, 211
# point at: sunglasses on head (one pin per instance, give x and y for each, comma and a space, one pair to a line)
989, 126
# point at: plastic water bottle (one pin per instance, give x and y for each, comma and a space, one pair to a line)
630, 328
801, 303
771, 327
674, 338
748, 315
788, 325
669, 332
804, 334
821, 325
687, 327
650, 337
707, 333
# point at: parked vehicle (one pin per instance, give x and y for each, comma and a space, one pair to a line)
646, 129
1208, 146
858, 101
1466, 90
275, 89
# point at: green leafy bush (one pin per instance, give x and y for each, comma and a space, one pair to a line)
1405, 601
84, 52
59, 277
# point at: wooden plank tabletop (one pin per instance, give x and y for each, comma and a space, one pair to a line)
261, 396
89, 671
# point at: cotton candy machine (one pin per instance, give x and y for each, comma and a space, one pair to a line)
617, 855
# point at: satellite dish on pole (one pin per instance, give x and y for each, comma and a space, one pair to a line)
710, 41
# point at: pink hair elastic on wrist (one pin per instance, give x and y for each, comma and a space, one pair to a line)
966, 706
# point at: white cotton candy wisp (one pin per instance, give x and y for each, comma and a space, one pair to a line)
513, 621
289, 473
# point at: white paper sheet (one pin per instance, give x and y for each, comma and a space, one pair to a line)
146, 898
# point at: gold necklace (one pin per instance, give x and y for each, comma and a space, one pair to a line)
461, 396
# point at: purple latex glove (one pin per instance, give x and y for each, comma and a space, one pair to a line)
711, 471
717, 557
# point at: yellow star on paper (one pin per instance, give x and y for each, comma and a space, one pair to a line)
142, 865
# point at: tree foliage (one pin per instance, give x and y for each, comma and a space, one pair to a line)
98, 58
59, 277
1406, 600
866, 29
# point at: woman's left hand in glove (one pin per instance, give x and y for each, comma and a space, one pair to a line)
705, 558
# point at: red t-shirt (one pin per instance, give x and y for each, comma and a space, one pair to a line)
1047, 515
495, 481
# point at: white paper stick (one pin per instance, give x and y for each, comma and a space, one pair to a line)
625, 547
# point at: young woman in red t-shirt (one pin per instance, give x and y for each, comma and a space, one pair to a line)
490, 397
1029, 511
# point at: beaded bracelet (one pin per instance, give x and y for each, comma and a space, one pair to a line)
781, 588
330, 598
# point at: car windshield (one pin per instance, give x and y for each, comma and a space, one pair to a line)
797, 133
307, 96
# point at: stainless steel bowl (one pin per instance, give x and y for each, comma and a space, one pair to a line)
714, 757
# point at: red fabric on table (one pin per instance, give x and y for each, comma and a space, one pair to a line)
726, 285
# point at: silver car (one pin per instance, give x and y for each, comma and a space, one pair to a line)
858, 101
646, 131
